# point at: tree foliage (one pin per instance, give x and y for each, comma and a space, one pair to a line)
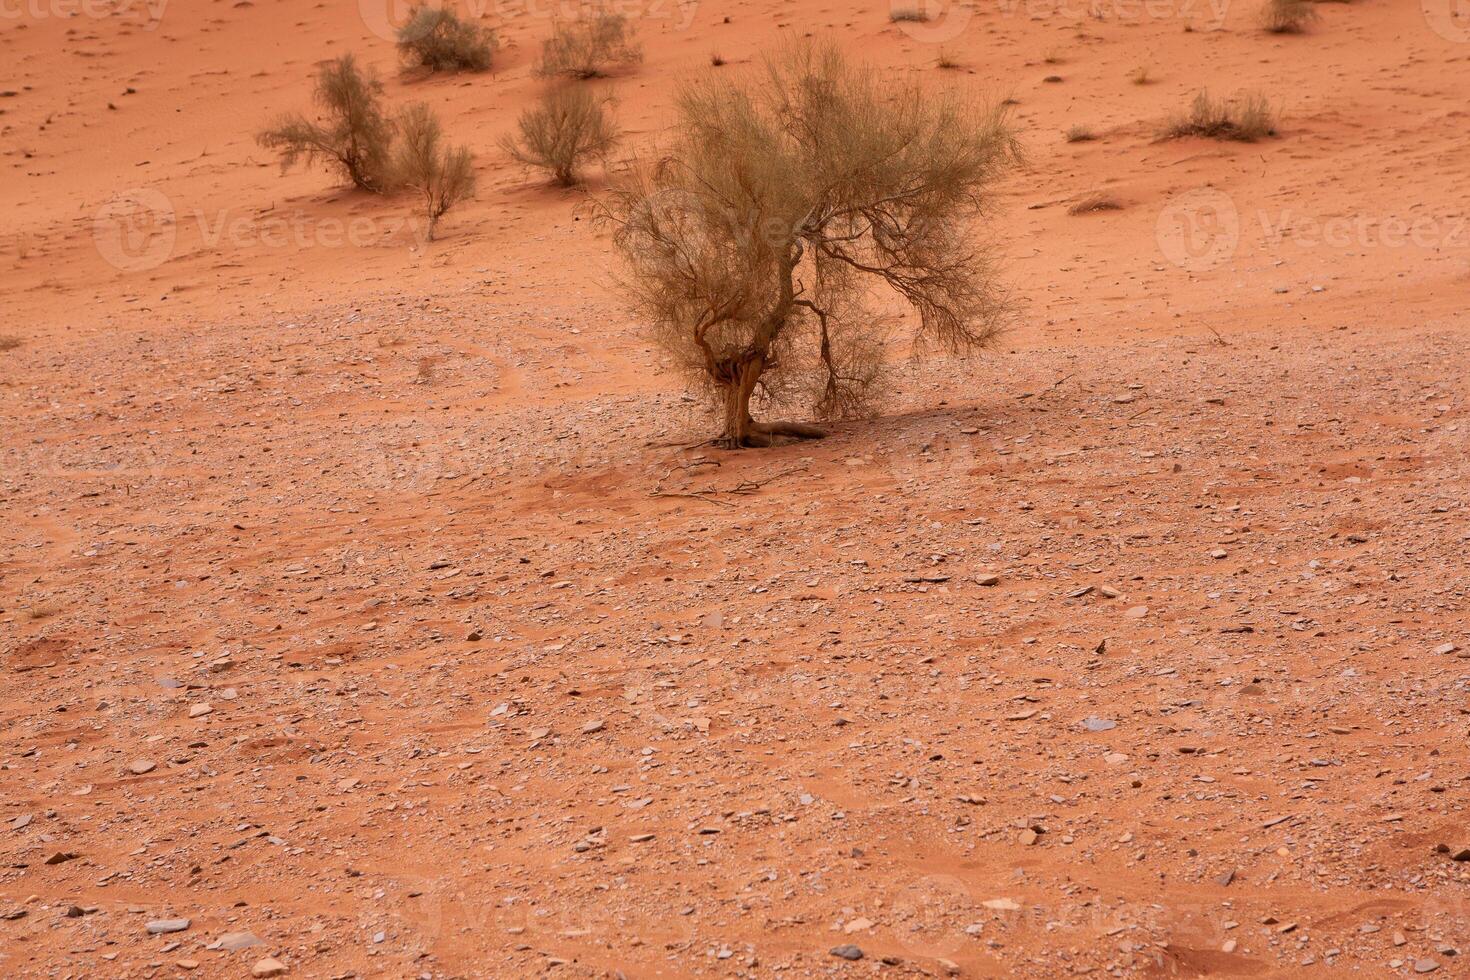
751, 245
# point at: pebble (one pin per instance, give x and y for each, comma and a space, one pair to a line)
847, 951
158, 927
200, 710
268, 967
593, 726
1425, 966
139, 767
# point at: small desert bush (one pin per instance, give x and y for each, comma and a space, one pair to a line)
908, 15
1288, 16
1247, 119
355, 136
9, 342
1080, 134
1095, 202
589, 47
442, 175
566, 128
1141, 75
435, 38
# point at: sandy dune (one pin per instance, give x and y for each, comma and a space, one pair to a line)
364, 594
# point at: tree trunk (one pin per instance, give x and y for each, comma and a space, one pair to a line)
741, 430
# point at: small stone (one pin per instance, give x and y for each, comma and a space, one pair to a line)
268, 967
1135, 612
857, 925
61, 857
139, 767
20, 822
1099, 724
232, 941
847, 952
159, 927
1219, 553
1001, 905
1463, 854
1228, 946
1425, 966
1445, 648
987, 580
596, 725
200, 710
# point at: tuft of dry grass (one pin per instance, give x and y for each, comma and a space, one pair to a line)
1141, 75
911, 15
1093, 203
1080, 134
1246, 119
435, 38
716, 59
1288, 16
589, 47
565, 129
9, 341
946, 60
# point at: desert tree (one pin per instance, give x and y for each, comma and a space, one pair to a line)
355, 137
589, 46
751, 245
566, 128
441, 175
437, 39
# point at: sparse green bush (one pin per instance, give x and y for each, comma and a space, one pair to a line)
442, 175
569, 126
589, 46
356, 137
435, 38
1246, 119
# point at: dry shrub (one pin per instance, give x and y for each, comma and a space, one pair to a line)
908, 15
355, 138
1080, 134
750, 248
435, 38
589, 46
1095, 202
9, 342
1141, 75
1288, 16
568, 127
442, 175
1248, 118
